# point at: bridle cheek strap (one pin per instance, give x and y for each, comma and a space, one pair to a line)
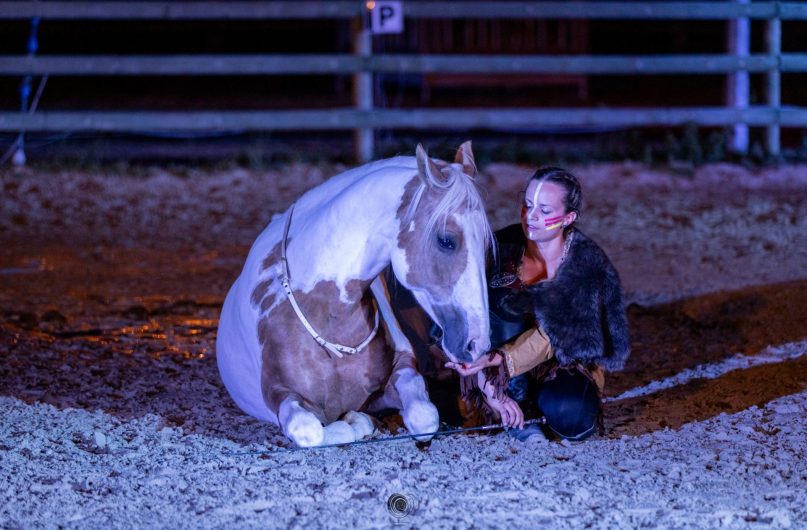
333, 348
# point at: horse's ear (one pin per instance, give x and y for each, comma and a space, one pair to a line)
427, 169
466, 157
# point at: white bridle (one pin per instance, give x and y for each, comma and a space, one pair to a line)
334, 348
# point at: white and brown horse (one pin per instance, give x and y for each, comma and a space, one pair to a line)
305, 292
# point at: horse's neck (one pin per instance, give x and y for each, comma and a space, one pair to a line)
345, 231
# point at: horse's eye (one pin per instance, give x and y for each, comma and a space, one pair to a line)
447, 243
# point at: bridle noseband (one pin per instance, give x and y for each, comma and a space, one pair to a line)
332, 347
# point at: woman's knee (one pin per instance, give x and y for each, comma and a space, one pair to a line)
570, 404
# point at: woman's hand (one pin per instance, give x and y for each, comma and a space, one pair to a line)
508, 409
472, 368
497, 399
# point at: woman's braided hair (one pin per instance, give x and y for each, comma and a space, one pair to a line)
574, 193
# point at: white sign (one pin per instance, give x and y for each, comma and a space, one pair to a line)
386, 17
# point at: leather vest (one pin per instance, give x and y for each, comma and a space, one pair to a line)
504, 325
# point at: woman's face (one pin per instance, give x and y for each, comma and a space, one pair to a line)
543, 213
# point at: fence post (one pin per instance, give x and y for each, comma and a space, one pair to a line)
19, 157
773, 43
737, 88
362, 89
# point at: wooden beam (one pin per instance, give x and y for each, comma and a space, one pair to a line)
180, 10
738, 91
589, 10
773, 92
364, 137
441, 119
306, 9
334, 64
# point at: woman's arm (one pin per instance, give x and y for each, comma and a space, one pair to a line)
509, 411
492, 358
527, 351
495, 395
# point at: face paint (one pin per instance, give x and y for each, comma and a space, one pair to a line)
537, 223
537, 191
531, 211
553, 223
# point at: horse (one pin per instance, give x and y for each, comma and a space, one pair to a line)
299, 342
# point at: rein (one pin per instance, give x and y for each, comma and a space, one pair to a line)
332, 347
435, 434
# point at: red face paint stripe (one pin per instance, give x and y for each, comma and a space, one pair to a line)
553, 220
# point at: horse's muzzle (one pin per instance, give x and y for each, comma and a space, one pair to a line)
454, 333
436, 338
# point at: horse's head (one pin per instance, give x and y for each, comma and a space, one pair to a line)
442, 244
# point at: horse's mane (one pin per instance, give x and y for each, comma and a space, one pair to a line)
460, 190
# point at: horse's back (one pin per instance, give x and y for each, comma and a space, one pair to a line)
319, 196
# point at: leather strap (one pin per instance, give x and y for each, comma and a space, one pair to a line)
333, 348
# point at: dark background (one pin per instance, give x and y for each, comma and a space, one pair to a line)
601, 37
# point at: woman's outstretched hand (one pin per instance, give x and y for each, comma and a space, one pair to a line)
476, 366
511, 414
508, 409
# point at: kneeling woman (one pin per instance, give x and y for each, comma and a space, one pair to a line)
556, 314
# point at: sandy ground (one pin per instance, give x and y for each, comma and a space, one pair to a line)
112, 413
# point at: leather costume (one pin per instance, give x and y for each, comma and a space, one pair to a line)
563, 330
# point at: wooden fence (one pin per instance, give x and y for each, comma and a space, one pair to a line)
363, 64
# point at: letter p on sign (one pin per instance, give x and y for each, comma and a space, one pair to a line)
386, 17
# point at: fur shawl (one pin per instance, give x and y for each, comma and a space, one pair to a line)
581, 309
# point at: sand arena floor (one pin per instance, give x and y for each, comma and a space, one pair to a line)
113, 414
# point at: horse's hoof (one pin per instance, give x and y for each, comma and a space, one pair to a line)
339, 432
361, 424
305, 430
421, 417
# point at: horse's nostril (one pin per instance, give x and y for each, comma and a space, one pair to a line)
435, 334
471, 346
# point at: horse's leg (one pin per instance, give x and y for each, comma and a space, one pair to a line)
304, 428
361, 423
406, 389
299, 424
418, 412
406, 392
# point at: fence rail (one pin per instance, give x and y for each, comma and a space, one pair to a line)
348, 64
306, 9
348, 118
362, 64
